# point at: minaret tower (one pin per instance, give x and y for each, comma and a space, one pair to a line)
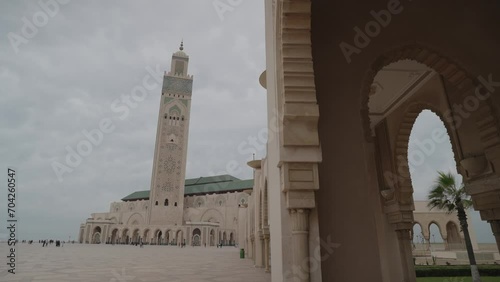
169, 165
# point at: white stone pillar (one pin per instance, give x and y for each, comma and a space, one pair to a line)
86, 234
266, 252
300, 240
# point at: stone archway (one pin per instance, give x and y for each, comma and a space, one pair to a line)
462, 82
136, 236
179, 239
196, 237
125, 236
145, 236
158, 237
96, 235
212, 238
476, 161
114, 236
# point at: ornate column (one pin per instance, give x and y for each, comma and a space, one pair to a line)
300, 240
405, 250
495, 227
251, 248
266, 249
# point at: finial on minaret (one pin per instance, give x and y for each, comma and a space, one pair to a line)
182, 45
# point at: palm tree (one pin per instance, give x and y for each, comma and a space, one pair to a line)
446, 195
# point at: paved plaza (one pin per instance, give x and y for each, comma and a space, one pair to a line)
97, 263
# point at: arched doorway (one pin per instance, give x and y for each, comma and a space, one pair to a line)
96, 235
436, 240
406, 109
224, 238
158, 237
114, 236
231, 239
125, 236
196, 237
145, 237
212, 238
179, 237
135, 236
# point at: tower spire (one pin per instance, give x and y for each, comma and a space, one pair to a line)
182, 45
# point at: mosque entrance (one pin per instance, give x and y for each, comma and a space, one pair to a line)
197, 237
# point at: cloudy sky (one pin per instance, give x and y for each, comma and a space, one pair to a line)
63, 79
61, 69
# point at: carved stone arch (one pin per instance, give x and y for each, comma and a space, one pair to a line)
413, 226
146, 233
212, 214
403, 186
440, 228
453, 72
135, 219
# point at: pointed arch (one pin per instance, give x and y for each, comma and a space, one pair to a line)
449, 69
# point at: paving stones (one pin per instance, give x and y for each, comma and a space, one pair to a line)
119, 263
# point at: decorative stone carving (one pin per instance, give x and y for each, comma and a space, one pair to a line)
474, 165
387, 194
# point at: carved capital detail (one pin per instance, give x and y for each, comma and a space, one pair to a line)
300, 220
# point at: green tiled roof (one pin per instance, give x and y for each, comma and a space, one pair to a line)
203, 185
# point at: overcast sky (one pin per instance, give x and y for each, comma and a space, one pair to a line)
62, 77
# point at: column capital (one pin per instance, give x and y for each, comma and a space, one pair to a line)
300, 220
299, 180
403, 234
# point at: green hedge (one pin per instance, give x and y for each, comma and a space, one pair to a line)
455, 270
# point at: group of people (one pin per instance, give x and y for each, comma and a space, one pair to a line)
47, 242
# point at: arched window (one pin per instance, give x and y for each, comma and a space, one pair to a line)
165, 116
175, 204
166, 203
156, 203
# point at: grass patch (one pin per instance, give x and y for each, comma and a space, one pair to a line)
455, 271
455, 279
